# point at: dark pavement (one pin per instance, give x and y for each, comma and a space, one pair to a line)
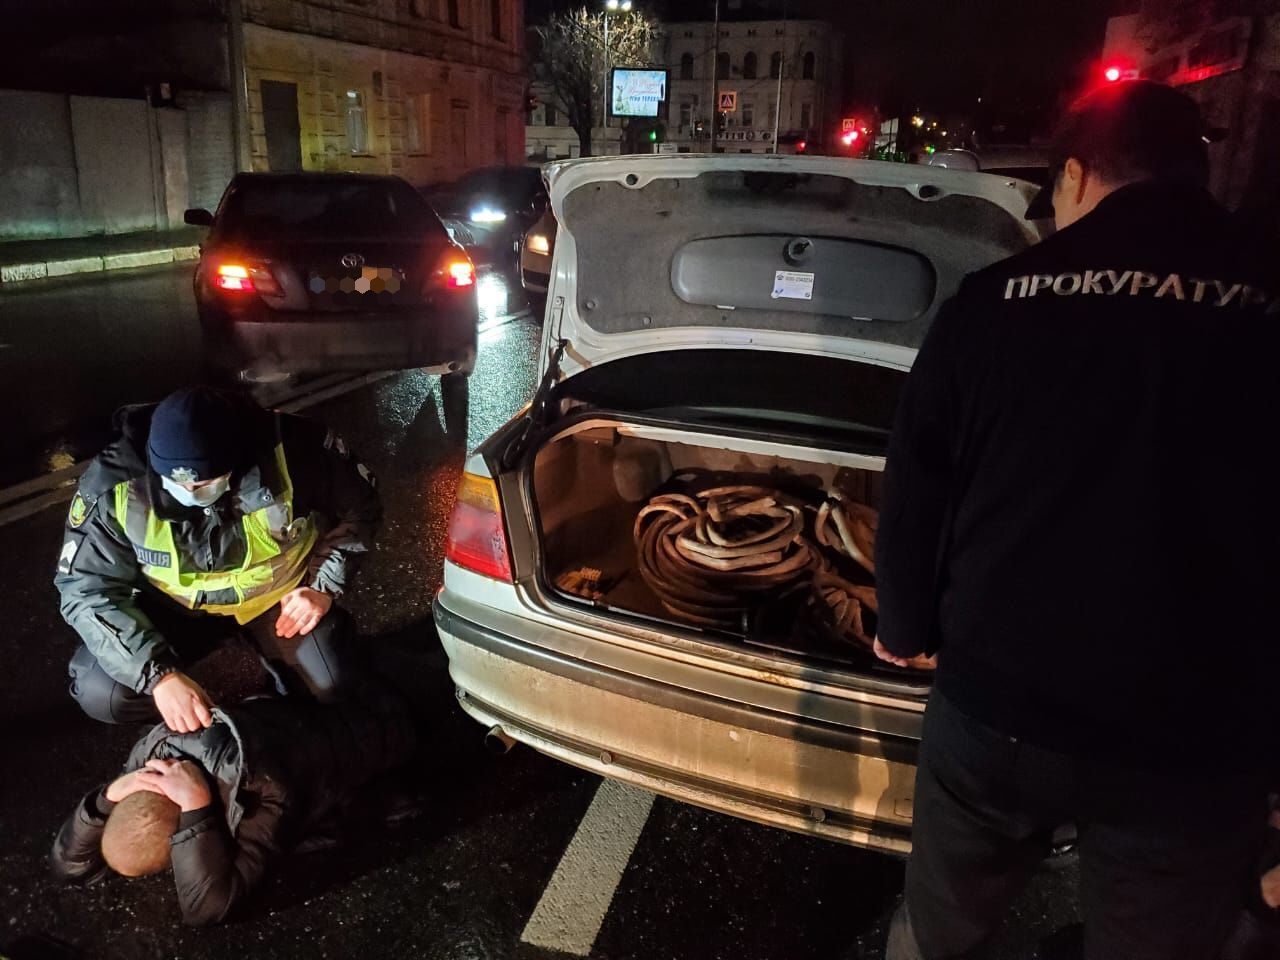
460, 881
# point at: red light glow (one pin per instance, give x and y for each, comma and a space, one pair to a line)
462, 274
1112, 74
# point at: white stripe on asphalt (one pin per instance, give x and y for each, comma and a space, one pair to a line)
576, 900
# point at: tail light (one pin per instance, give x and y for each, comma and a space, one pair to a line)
455, 271
477, 540
246, 276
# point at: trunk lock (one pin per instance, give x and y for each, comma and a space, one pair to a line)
798, 250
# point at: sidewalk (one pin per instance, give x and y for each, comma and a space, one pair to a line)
40, 259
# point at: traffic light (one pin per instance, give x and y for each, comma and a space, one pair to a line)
802, 146
653, 136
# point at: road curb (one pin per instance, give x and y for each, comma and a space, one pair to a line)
13, 274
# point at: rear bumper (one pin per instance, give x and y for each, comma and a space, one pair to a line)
303, 342
773, 767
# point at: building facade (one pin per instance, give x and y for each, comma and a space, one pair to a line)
424, 89
783, 74
1230, 65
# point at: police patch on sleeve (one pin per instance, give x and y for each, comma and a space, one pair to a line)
79, 511
68, 555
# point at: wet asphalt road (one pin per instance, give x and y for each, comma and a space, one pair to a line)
460, 881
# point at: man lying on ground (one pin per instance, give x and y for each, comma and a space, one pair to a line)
221, 803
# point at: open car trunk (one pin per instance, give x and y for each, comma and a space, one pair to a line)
592, 479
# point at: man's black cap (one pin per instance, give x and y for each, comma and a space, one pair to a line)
198, 434
1127, 131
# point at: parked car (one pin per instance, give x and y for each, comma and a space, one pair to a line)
720, 317
1019, 161
489, 210
305, 272
536, 249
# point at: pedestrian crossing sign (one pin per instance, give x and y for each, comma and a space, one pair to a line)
728, 101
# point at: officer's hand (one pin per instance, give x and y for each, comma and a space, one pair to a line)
182, 703
180, 780
122, 787
301, 611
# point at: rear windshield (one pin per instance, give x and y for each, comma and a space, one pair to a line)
346, 209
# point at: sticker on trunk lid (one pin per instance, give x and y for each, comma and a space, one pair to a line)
792, 285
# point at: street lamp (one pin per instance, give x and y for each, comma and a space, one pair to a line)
610, 6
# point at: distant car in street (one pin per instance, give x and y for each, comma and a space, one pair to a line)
728, 321
1017, 161
488, 210
306, 272
536, 249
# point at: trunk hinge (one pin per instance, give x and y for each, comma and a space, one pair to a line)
535, 418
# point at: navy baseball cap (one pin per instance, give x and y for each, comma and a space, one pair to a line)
1128, 131
198, 434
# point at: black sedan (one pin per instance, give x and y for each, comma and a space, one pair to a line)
488, 210
313, 272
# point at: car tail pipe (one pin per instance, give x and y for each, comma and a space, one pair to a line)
498, 741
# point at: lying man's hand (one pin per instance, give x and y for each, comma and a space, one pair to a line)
121, 787
182, 703
301, 611
180, 780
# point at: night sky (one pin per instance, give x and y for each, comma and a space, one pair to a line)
1024, 58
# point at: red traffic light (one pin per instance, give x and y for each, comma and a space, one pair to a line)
1113, 74
802, 146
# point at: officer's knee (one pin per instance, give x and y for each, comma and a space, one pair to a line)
101, 697
329, 659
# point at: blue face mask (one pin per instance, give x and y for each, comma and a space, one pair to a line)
203, 496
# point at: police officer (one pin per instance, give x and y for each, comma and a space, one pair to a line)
1081, 517
209, 517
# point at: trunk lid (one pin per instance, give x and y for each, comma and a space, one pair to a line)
810, 255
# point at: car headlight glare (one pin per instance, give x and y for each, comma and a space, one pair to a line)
538, 243
487, 215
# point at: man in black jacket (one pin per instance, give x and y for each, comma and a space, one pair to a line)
222, 802
1081, 518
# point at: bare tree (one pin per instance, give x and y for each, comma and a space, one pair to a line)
571, 61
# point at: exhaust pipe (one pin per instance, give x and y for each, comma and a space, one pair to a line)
498, 742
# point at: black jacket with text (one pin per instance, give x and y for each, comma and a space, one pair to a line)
1082, 509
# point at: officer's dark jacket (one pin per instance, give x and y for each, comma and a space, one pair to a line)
278, 767
98, 571
1081, 508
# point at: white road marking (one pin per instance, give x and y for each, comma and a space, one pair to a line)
574, 904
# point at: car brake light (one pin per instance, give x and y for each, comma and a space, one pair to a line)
247, 277
462, 274
454, 271
477, 540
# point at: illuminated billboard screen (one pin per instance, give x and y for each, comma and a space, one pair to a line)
636, 93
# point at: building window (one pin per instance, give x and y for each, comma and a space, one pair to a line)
748, 115
775, 65
773, 115
552, 115
722, 66
751, 33
806, 115
749, 66
806, 72
455, 14
495, 18
686, 114
418, 123
686, 66
688, 34
357, 122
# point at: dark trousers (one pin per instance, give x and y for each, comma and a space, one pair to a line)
1165, 856
325, 663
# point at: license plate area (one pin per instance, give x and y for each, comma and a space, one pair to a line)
382, 282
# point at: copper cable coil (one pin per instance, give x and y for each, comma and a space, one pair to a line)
709, 557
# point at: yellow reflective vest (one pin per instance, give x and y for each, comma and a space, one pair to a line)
277, 547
